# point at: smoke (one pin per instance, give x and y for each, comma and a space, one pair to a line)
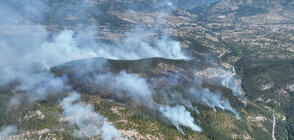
40, 86
142, 42
195, 93
29, 50
26, 52
90, 123
188, 4
137, 89
225, 78
109, 132
206, 97
22, 55
127, 84
7, 131
32, 49
27, 47
178, 115
16, 12
134, 47
71, 14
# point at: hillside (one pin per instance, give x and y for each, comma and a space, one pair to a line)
147, 69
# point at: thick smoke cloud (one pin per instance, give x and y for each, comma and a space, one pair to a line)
134, 47
136, 88
178, 115
141, 42
26, 54
90, 123
32, 49
109, 132
16, 12
22, 56
206, 97
40, 86
7, 131
196, 93
225, 78
131, 85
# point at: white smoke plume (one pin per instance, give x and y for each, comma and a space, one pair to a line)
42, 85
142, 42
16, 12
137, 89
197, 94
127, 84
33, 54
206, 97
109, 132
178, 115
225, 78
26, 52
134, 47
90, 123
32, 48
7, 131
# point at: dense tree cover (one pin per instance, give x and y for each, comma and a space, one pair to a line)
278, 72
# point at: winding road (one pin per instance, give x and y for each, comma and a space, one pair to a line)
227, 85
274, 125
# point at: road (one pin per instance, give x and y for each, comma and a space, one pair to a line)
274, 125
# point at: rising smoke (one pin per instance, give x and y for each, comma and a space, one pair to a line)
225, 78
28, 49
137, 89
131, 85
7, 131
40, 86
90, 123
27, 53
134, 47
206, 97
36, 49
178, 115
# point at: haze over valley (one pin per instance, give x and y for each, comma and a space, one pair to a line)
147, 69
